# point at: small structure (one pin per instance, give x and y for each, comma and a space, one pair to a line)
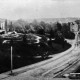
3, 26
73, 27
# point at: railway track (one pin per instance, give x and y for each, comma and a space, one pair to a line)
59, 68
38, 65
54, 66
63, 64
61, 72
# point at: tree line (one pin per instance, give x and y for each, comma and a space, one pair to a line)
50, 30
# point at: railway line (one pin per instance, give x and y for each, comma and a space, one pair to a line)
42, 63
62, 72
56, 66
61, 67
52, 68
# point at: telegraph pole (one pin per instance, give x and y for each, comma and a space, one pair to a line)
11, 60
11, 57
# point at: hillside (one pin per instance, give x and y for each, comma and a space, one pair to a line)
69, 19
58, 19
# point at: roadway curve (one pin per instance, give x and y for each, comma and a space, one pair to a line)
48, 68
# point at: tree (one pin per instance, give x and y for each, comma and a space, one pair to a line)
51, 34
10, 27
59, 38
59, 26
66, 31
43, 24
41, 32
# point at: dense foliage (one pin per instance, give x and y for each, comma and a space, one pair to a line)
27, 48
43, 28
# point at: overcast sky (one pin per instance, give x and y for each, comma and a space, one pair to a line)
25, 9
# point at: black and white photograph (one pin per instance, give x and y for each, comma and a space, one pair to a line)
39, 39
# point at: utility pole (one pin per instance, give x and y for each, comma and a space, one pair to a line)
11, 57
11, 60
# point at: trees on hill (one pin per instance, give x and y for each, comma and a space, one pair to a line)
66, 31
44, 28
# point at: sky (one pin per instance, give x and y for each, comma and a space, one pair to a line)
32, 9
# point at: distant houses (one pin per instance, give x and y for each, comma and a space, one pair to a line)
74, 27
5, 26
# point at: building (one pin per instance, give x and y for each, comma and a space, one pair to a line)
3, 26
73, 27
